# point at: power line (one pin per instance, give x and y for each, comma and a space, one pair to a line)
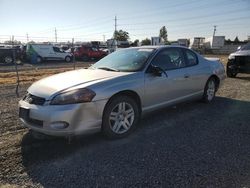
157, 10
197, 24
199, 7
186, 18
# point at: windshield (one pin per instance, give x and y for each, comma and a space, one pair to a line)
246, 47
127, 60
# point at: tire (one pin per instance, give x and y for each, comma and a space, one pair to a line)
85, 58
39, 59
209, 90
231, 73
101, 57
68, 59
120, 117
8, 59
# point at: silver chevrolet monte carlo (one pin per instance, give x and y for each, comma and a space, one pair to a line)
115, 92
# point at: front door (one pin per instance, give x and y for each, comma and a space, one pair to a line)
160, 90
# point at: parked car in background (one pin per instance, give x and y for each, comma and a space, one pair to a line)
113, 93
86, 53
7, 54
239, 61
42, 52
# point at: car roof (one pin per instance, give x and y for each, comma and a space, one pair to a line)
160, 47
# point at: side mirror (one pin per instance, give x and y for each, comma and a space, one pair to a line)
157, 71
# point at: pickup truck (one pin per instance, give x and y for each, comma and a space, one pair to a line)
239, 61
6, 55
86, 53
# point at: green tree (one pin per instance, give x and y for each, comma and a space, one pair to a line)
164, 34
146, 42
121, 35
236, 39
135, 43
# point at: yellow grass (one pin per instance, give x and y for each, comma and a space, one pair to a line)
29, 76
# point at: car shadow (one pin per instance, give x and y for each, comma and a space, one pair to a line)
243, 77
191, 144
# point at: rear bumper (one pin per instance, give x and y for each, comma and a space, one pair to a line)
80, 118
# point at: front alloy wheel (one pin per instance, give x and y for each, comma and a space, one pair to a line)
8, 59
68, 59
231, 70
120, 117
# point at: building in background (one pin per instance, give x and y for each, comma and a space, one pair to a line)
183, 42
156, 41
215, 42
197, 43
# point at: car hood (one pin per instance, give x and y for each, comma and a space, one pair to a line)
51, 85
241, 53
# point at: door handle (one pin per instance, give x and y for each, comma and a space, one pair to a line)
186, 75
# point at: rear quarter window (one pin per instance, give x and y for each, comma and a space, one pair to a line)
191, 58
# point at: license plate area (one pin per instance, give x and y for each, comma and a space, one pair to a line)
24, 113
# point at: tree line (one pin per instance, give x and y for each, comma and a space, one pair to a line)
124, 36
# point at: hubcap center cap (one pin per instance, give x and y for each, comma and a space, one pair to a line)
121, 117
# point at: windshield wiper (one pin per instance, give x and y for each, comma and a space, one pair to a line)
108, 69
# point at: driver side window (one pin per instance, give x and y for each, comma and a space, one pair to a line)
169, 59
56, 49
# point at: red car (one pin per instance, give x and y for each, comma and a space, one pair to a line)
86, 53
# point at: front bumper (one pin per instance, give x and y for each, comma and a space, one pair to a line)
81, 118
240, 64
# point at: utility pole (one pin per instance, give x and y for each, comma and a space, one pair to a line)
55, 35
14, 61
72, 51
115, 23
214, 30
27, 35
114, 42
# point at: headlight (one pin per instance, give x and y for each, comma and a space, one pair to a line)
231, 57
73, 97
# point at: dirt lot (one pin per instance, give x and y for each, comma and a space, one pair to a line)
189, 145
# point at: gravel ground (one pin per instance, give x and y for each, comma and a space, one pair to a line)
189, 145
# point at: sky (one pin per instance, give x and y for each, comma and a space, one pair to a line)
88, 20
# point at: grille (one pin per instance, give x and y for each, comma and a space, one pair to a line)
32, 99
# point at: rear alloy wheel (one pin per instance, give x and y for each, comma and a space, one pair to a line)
8, 59
209, 91
68, 59
120, 117
39, 59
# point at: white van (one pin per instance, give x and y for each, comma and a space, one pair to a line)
43, 52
